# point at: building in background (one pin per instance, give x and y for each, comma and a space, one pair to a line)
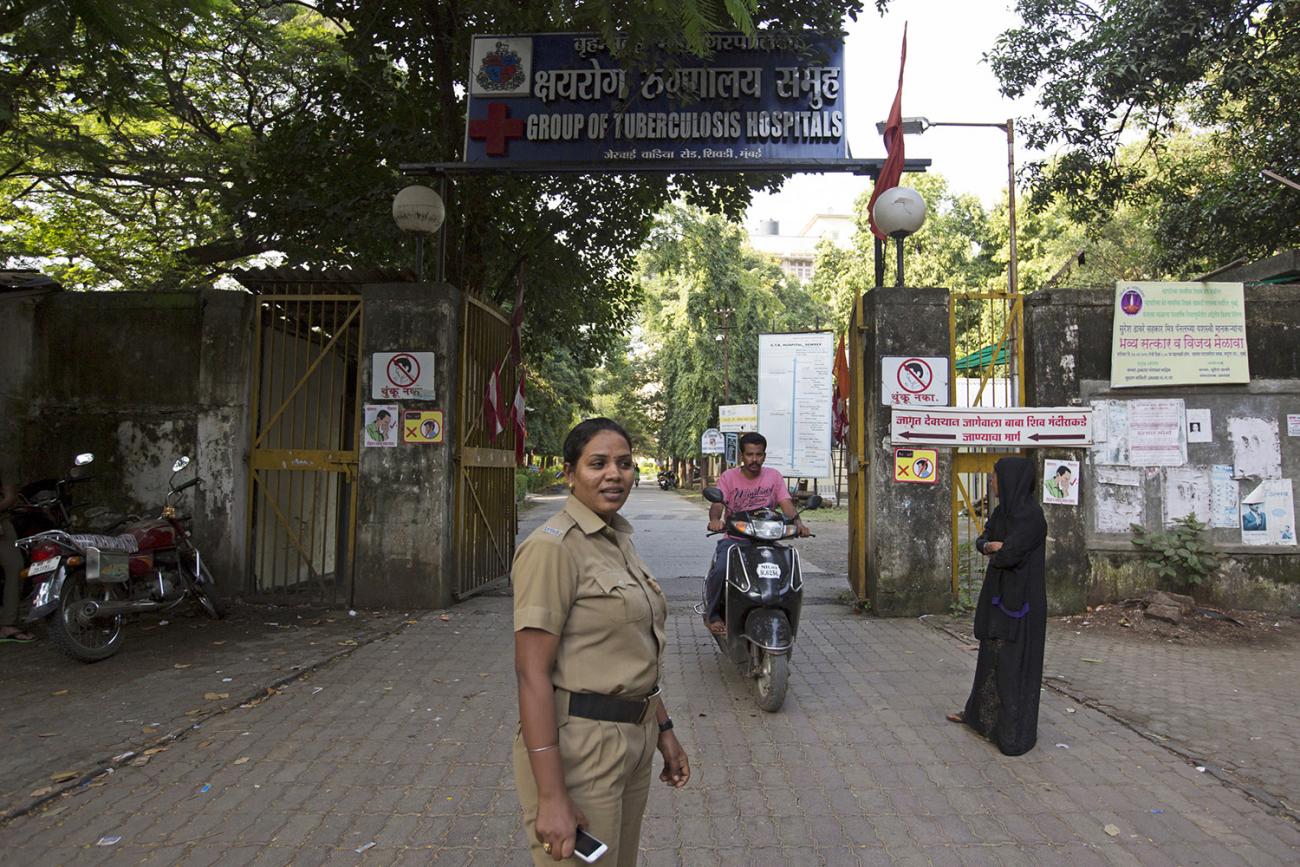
797, 253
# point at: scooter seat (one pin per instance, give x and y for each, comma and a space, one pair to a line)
123, 544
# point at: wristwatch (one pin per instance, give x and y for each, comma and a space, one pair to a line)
666, 725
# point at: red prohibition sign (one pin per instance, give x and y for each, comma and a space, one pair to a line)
915, 375
403, 370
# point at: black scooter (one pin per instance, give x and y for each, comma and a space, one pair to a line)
762, 598
667, 480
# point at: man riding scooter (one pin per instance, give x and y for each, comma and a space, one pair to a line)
744, 488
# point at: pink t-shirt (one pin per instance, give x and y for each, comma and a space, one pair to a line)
742, 494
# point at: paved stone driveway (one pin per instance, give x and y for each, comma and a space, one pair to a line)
398, 753
404, 744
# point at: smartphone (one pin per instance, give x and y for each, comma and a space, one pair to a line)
588, 848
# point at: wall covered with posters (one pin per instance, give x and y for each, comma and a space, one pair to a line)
1227, 453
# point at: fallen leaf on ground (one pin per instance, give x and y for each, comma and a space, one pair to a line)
348, 642
215, 696
41, 792
194, 711
63, 776
139, 761
1112, 830
205, 744
445, 618
182, 665
218, 643
1088, 659
153, 751
412, 622
48, 735
148, 730
242, 760
59, 692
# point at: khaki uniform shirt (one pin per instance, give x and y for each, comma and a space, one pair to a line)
580, 578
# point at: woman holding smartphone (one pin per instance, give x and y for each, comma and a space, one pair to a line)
589, 638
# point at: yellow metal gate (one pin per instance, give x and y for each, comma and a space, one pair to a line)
485, 474
859, 516
303, 458
986, 357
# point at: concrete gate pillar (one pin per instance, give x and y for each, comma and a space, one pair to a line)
405, 495
909, 526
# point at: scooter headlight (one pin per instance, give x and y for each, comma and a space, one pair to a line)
766, 529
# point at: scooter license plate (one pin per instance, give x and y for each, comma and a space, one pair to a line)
40, 567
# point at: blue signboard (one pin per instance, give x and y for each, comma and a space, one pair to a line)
563, 100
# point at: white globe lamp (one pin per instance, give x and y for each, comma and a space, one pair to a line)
419, 210
899, 212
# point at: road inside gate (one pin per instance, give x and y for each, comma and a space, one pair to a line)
398, 753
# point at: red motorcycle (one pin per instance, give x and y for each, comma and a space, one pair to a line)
86, 584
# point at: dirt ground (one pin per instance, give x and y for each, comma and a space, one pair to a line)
1204, 627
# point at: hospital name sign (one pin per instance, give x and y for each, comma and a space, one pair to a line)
564, 99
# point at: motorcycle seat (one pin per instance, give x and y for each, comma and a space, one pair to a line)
123, 544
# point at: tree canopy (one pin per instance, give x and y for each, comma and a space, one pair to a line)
1206, 90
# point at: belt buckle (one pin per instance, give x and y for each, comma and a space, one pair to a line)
646, 704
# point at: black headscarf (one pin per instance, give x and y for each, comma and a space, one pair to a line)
1016, 491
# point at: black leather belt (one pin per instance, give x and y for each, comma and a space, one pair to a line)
609, 708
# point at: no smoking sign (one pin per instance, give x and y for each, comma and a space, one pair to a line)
402, 376
913, 380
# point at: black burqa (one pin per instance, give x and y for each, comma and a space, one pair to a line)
1011, 615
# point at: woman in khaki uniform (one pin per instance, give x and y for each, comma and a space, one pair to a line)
589, 638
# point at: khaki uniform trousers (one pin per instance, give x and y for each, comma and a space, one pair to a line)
607, 769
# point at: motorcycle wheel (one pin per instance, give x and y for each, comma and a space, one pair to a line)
85, 642
203, 592
771, 677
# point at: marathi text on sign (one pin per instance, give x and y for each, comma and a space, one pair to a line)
1017, 427
558, 99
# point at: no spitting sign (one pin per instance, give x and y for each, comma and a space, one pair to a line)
402, 376
913, 380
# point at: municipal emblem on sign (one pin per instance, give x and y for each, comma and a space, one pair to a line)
502, 69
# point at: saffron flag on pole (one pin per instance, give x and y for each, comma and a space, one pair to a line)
840, 415
892, 171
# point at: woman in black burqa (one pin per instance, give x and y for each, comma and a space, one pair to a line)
1011, 615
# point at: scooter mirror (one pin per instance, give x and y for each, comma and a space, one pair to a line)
713, 495
181, 463
814, 502
82, 459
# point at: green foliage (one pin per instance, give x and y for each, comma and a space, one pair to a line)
623, 391
1180, 555
694, 265
1109, 71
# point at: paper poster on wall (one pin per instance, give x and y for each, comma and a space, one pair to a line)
1119, 505
1157, 436
1117, 476
1187, 492
1198, 426
380, 425
1110, 432
918, 466
1223, 497
1256, 448
1268, 514
423, 427
1293, 424
1061, 482
1178, 334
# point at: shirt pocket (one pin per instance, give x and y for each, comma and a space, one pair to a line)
625, 599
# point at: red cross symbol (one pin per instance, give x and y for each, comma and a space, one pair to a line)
497, 128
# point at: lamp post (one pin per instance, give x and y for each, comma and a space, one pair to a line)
899, 212
918, 125
419, 209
